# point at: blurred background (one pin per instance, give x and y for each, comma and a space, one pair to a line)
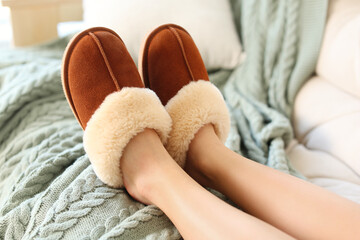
25, 23
5, 26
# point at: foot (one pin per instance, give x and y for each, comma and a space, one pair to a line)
142, 164
201, 162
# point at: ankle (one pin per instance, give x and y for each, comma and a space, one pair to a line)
142, 163
144, 183
203, 138
202, 156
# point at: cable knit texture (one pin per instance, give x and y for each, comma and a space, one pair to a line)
119, 118
48, 188
282, 40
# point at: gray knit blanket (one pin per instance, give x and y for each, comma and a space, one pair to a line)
48, 189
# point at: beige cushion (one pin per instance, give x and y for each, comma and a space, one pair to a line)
209, 22
326, 116
315, 163
327, 119
325, 170
339, 59
319, 102
326, 122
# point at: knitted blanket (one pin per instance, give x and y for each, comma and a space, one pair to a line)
48, 189
282, 40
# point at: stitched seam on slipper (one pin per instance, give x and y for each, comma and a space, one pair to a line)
98, 43
182, 51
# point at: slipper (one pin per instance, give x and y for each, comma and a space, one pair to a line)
108, 98
171, 65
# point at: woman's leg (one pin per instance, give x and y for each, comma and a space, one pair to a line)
297, 207
152, 176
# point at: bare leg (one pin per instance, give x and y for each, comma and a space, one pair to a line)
297, 207
153, 177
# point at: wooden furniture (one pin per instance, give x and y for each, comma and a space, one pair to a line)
35, 21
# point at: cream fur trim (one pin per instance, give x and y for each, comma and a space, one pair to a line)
119, 118
195, 105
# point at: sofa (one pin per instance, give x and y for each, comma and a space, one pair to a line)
326, 115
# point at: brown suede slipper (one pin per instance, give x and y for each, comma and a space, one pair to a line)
171, 65
108, 98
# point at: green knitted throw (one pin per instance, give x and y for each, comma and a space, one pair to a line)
282, 40
48, 189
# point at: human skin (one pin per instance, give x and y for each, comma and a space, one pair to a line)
295, 206
151, 176
276, 205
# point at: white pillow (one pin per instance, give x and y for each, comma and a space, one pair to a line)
339, 59
209, 22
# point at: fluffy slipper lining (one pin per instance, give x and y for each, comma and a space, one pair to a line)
195, 105
119, 118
